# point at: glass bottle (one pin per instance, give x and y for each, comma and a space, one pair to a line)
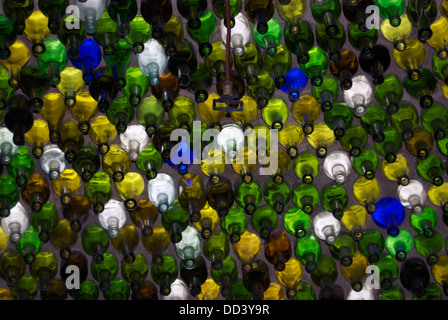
250, 64
400, 245
44, 268
156, 243
63, 238
325, 274
271, 39
277, 195
209, 221
433, 120
327, 93
248, 195
377, 65
226, 276
29, 245
354, 140
216, 248
130, 189
327, 12
98, 191
22, 165
391, 11
355, 274
372, 245
192, 10
157, 14
175, 220
126, 242
36, 137
167, 90
331, 44
53, 60
36, 192
422, 88
259, 13
19, 57
66, 185
429, 248
72, 38
438, 272
362, 39
70, 85
257, 280
77, 211
165, 274
9, 195
53, 161
437, 40
425, 221
45, 221
122, 12
149, 113
36, 30
375, 120
189, 248
71, 140
412, 196
414, 275
120, 113
139, 33
338, 119
389, 215
105, 271
291, 12
135, 273
192, 195
300, 41
306, 166
366, 192
367, 163
147, 291
200, 82
422, 16
305, 196
152, 61
359, 95
337, 166
234, 224
12, 267
18, 12
26, 289
354, 219
106, 33
405, 120
390, 146
397, 170
326, 226
334, 198
53, 110
247, 249
397, 34
116, 163
411, 58
264, 220
431, 169
90, 12
161, 192
34, 83
95, 242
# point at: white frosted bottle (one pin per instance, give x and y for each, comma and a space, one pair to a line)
240, 34
134, 140
7, 147
412, 196
90, 11
190, 247
152, 61
113, 217
162, 191
179, 291
16, 223
366, 293
230, 140
326, 227
53, 161
359, 95
337, 166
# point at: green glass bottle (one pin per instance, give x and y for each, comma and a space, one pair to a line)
431, 169
12, 267
367, 163
44, 268
118, 62
375, 120
72, 37
195, 277
216, 248
18, 12
391, 145
204, 33
29, 245
8, 36
45, 221
122, 12
239, 292
301, 42
264, 220
389, 93
344, 248
422, 88
120, 113
88, 290
305, 196
34, 83
325, 274
6, 91
165, 274
106, 33
327, 13
271, 39
53, 60
278, 64
425, 222
362, 40
119, 290
334, 198
149, 161
316, 67
296, 222
87, 162
137, 85
250, 64
26, 288
183, 113
405, 120
248, 195
105, 271
175, 220
55, 11
98, 191
200, 82
429, 248
22, 165
331, 44
339, 118
422, 15
434, 120
372, 245
226, 276
95, 241
263, 90
354, 140
219, 9
150, 113
391, 10
388, 266
306, 166
183, 62
277, 195
401, 245
234, 224
9, 194
139, 32
327, 92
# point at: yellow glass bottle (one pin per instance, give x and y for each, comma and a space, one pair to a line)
71, 83
438, 195
17, 60
38, 136
214, 165
248, 115
212, 117
102, 133
71, 139
439, 37
130, 189
4, 240
53, 110
157, 243
126, 242
36, 30
209, 290
354, 219
306, 111
245, 163
209, 221
63, 238
439, 272
291, 276
321, 139
356, 272
84, 110
291, 13
67, 184
396, 171
274, 292
116, 163
397, 35
290, 137
247, 249
366, 192
279, 171
411, 58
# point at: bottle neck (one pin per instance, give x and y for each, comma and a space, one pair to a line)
44, 277
153, 72
105, 277
329, 234
339, 173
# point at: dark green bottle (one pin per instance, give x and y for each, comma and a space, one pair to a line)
354, 140
72, 38
219, 9
334, 198
34, 83
325, 274
327, 92
389, 93
204, 33
54, 10
175, 220
331, 44
422, 14
118, 62
183, 63
98, 191
87, 162
434, 119
405, 120
300, 43
367, 163
165, 274
339, 118
226, 276
344, 248
122, 12
105, 271
216, 248
371, 245
88, 290
248, 195
391, 145
234, 224
22, 165
192, 10
200, 82
362, 40
29, 245
327, 13
388, 266
95, 241
429, 248
431, 169
305, 196
106, 33
278, 65
277, 195
195, 277
120, 113
18, 12
9, 194
422, 88
257, 279
264, 220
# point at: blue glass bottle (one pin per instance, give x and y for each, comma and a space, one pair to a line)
118, 62
184, 152
389, 214
89, 58
296, 81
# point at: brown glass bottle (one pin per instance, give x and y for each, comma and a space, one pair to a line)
345, 68
77, 211
355, 11
144, 216
421, 143
278, 249
57, 290
36, 191
167, 90
148, 291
